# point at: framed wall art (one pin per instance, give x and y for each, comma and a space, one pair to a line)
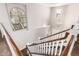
17, 15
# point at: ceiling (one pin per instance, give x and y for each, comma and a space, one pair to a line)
53, 4
48, 4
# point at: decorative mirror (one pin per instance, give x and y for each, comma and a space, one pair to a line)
17, 15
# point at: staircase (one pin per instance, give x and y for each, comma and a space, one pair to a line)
7, 45
58, 45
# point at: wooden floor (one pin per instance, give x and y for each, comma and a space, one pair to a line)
4, 49
75, 51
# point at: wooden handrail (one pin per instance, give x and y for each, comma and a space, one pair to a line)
18, 52
51, 40
57, 33
66, 49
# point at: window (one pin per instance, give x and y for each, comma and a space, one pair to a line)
17, 17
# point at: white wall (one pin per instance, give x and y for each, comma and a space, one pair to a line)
72, 15
37, 16
54, 20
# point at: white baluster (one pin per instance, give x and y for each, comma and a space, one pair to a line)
46, 47
59, 35
53, 37
34, 47
40, 48
56, 46
61, 46
31, 48
37, 48
43, 48
52, 48
63, 34
49, 48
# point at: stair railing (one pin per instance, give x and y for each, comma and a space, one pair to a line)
57, 35
12, 46
52, 47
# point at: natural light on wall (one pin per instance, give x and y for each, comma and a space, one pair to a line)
59, 11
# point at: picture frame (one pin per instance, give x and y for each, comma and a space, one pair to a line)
17, 16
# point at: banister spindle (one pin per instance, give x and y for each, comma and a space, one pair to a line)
49, 49
58, 36
44, 48
54, 37
61, 46
52, 52
56, 47
34, 48
39, 48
